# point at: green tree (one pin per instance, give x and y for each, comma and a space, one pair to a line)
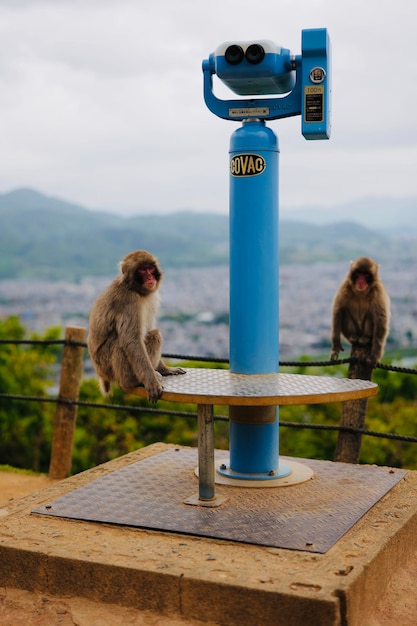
25, 370
106, 432
393, 410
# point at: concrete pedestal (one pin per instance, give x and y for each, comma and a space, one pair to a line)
208, 579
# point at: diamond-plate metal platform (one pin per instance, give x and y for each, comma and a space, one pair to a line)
217, 386
150, 494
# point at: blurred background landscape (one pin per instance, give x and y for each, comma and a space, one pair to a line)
56, 257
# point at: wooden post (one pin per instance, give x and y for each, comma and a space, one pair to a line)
66, 414
348, 446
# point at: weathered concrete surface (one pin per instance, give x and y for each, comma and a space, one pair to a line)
194, 579
25, 608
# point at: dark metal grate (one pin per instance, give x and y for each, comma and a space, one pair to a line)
150, 494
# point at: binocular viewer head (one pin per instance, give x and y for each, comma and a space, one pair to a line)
287, 85
253, 67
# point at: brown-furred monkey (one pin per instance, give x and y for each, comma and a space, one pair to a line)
123, 343
361, 311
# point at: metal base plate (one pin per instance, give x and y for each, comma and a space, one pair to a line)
150, 494
290, 473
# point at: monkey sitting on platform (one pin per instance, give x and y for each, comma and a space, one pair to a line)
123, 343
361, 311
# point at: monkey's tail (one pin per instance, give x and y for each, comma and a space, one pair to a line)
105, 386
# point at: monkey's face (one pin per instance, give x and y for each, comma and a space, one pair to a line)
361, 280
147, 276
141, 272
363, 274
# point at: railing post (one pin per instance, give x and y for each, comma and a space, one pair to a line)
66, 414
348, 446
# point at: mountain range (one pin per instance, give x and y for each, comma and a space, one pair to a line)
384, 214
45, 237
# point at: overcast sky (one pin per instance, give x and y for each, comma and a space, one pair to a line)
101, 101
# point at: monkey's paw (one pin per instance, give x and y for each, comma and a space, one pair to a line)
334, 354
154, 388
174, 371
336, 348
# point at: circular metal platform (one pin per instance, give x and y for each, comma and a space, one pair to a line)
219, 386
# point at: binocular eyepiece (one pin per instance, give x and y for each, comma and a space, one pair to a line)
234, 54
253, 67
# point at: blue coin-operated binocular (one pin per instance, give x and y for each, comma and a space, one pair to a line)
300, 84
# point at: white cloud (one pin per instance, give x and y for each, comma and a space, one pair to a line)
102, 101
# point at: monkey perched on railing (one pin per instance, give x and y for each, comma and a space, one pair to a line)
361, 311
123, 343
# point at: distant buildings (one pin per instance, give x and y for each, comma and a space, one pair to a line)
195, 304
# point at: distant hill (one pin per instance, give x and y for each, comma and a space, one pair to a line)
383, 214
48, 238
45, 237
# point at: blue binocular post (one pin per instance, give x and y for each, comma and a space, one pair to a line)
254, 298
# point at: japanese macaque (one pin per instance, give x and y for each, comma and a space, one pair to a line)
361, 311
123, 343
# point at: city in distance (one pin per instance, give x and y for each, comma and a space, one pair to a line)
195, 304
52, 271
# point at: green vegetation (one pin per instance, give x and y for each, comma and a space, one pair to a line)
27, 370
105, 433
393, 410
68, 242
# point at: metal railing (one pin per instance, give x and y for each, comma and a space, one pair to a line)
68, 401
